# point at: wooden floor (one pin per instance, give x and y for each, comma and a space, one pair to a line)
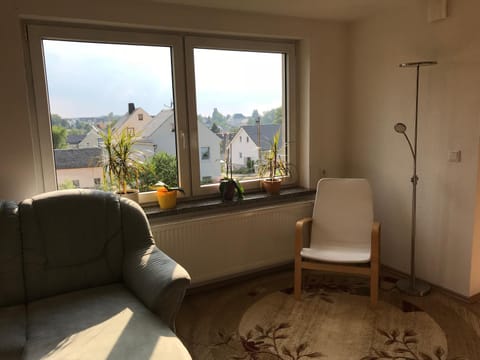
206, 314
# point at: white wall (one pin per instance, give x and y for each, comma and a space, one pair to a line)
382, 94
321, 57
164, 138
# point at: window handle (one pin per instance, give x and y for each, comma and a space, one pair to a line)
182, 136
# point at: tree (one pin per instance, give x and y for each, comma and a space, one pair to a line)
57, 120
67, 184
273, 116
59, 137
215, 128
160, 167
278, 117
217, 116
255, 115
76, 132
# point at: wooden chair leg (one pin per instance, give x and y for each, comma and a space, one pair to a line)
374, 285
375, 263
297, 283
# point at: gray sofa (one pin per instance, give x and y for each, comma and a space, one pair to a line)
80, 278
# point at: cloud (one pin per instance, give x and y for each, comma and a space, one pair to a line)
91, 79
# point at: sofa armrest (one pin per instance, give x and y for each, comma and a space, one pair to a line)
158, 281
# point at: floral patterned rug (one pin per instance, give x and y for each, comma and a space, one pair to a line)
334, 320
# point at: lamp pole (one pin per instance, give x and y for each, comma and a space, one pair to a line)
413, 286
257, 121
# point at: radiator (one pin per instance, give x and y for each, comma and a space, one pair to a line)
224, 245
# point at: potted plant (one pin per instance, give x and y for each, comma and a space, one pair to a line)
167, 195
228, 185
121, 164
273, 168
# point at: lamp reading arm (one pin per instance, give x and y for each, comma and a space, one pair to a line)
401, 128
410, 144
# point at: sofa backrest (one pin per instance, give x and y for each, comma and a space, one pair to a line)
72, 239
11, 272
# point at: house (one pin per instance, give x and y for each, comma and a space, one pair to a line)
133, 122
209, 155
251, 142
162, 134
81, 168
73, 141
91, 139
157, 134
349, 93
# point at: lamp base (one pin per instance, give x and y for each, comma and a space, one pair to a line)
421, 287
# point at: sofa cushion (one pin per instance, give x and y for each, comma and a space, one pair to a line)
12, 332
106, 322
11, 272
71, 240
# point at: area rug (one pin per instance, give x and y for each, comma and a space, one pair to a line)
334, 320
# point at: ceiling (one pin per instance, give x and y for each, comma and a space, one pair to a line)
345, 10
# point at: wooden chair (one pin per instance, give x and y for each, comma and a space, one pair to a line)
342, 234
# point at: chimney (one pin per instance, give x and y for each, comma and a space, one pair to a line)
131, 108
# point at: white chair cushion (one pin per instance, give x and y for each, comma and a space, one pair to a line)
337, 254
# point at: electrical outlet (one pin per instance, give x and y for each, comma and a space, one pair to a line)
455, 156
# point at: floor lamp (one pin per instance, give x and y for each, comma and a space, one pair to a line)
411, 285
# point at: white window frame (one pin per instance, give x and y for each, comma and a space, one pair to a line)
42, 137
184, 94
288, 98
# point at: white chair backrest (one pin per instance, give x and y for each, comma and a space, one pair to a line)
342, 214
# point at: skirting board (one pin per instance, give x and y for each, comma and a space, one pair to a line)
229, 280
233, 279
467, 299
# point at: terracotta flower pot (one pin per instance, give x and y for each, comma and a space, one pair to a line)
272, 187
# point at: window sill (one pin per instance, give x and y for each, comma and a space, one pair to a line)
215, 205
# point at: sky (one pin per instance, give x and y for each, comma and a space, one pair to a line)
94, 79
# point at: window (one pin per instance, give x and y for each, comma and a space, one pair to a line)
243, 87
205, 154
76, 183
88, 80
206, 180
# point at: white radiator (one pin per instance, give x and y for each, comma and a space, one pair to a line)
222, 245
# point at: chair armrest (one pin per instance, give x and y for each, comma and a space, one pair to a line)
158, 281
375, 245
299, 229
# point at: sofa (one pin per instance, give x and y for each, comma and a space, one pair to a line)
81, 278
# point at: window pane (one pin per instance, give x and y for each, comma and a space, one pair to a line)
240, 97
96, 86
